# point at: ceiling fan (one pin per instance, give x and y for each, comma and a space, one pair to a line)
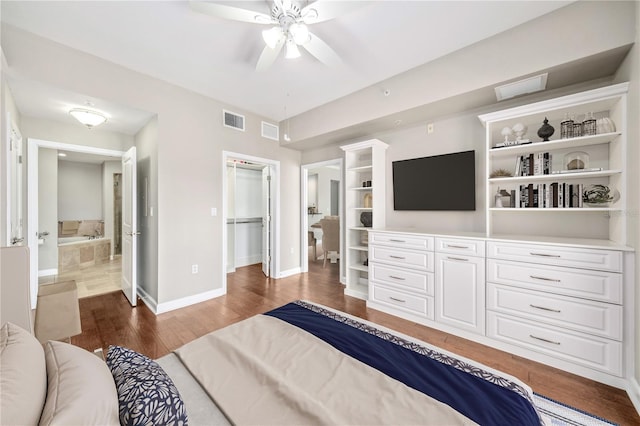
289, 27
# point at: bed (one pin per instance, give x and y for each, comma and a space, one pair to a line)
301, 363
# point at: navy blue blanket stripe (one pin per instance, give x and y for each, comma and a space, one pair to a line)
480, 400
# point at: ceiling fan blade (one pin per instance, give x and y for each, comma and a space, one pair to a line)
230, 12
322, 51
268, 56
321, 11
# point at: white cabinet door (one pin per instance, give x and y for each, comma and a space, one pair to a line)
460, 291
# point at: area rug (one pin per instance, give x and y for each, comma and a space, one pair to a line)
562, 415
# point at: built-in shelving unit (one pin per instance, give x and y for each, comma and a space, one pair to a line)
606, 150
365, 192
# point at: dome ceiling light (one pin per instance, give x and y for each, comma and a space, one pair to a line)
88, 117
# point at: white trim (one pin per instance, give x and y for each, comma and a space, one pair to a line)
633, 390
161, 308
275, 212
289, 272
32, 198
561, 102
47, 272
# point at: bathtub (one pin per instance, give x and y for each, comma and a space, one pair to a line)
78, 252
70, 240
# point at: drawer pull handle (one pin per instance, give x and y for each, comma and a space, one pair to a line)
545, 309
397, 300
544, 340
458, 258
544, 278
396, 257
544, 254
397, 278
397, 241
455, 246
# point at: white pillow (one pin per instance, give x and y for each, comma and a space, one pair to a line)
23, 376
81, 390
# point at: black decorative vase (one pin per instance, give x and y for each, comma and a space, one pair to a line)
546, 130
367, 219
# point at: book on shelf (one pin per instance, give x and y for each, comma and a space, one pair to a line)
533, 164
549, 195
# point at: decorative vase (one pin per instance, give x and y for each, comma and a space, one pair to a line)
600, 196
576, 160
546, 130
367, 219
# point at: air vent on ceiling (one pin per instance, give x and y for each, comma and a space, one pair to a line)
270, 131
233, 120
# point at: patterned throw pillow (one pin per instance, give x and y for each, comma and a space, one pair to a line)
146, 394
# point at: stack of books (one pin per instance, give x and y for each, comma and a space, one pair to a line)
533, 164
550, 195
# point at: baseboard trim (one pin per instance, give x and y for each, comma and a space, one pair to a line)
47, 272
289, 272
161, 308
633, 390
148, 300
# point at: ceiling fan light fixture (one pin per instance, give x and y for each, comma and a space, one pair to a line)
299, 32
272, 36
292, 50
87, 117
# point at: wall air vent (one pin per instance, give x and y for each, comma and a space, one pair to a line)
270, 131
233, 120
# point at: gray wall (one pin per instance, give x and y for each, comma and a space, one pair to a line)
630, 71
146, 141
79, 191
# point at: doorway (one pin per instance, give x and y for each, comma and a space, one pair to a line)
37, 187
250, 213
322, 195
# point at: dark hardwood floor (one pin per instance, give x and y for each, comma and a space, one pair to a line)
110, 320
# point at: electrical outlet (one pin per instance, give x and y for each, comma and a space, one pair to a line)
291, 250
214, 211
194, 269
430, 128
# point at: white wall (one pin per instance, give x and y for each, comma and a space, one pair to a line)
79, 191
48, 208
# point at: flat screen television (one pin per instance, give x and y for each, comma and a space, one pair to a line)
439, 182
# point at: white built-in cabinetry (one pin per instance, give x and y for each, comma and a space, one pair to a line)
551, 284
606, 150
460, 283
364, 192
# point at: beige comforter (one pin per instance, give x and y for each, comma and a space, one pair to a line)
266, 371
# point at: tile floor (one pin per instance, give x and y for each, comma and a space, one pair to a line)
91, 280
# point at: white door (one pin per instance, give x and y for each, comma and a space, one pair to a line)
129, 226
266, 220
14, 214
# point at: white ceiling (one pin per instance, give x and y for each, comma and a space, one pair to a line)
216, 57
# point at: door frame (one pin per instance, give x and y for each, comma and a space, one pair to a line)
33, 145
304, 218
275, 211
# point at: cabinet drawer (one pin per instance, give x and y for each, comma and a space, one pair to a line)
601, 260
460, 246
416, 242
591, 351
591, 317
594, 285
414, 259
417, 305
411, 281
